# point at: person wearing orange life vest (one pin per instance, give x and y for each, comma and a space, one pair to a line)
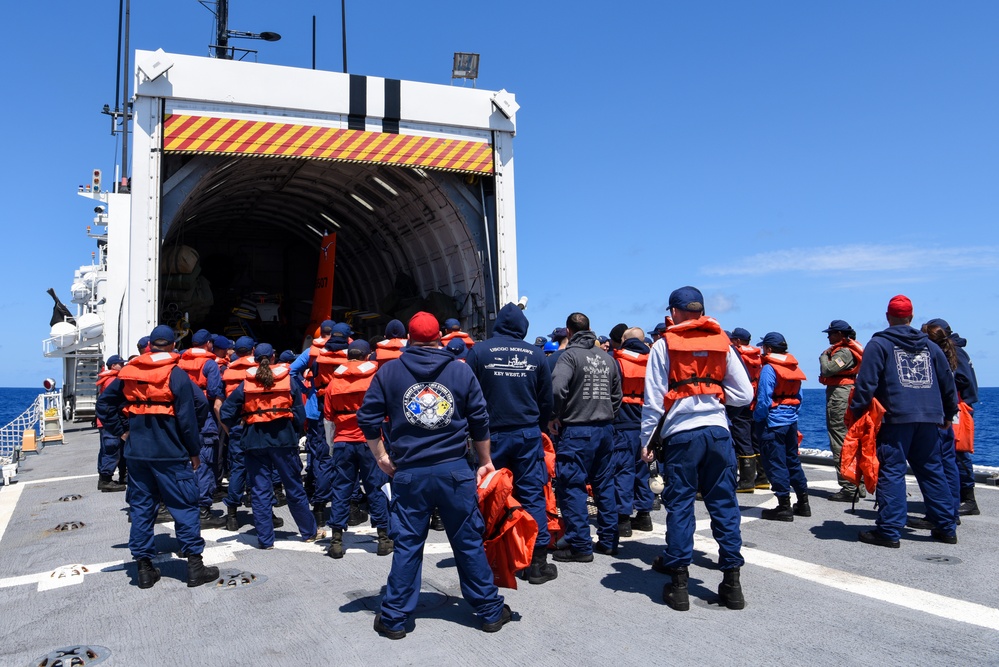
109, 456
631, 473
200, 365
351, 456
778, 398
692, 374
394, 343
452, 329
157, 410
838, 368
751, 473
269, 404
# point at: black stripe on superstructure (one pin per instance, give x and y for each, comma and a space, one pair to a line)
358, 102
393, 106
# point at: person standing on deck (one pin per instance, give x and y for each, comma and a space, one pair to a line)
838, 368
109, 457
912, 380
747, 449
692, 374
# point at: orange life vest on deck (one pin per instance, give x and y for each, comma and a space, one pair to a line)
193, 361
326, 364
858, 462
389, 349
964, 429
789, 379
266, 404
469, 343
633, 366
235, 372
849, 376
752, 357
510, 531
698, 353
146, 384
344, 396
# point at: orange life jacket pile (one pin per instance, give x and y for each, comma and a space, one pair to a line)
510, 530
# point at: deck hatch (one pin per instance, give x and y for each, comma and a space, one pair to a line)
73, 656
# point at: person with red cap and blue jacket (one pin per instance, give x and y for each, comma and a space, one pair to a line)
911, 378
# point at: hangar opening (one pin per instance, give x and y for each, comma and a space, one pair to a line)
407, 239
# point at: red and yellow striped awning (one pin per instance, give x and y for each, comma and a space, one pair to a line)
228, 136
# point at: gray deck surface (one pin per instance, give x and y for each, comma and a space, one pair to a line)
815, 595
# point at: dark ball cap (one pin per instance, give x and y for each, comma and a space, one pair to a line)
162, 335
842, 326
540, 341
359, 349
222, 343
201, 336
114, 359
263, 351
687, 298
603, 339
457, 347
452, 324
774, 340
658, 329
287, 357
339, 337
618, 331
741, 334
561, 333
395, 329
143, 342
243, 344
326, 326
938, 322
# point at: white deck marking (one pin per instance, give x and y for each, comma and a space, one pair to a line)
8, 501
59, 479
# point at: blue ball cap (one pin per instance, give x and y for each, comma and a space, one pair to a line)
938, 322
658, 329
551, 346
222, 343
395, 329
775, 340
287, 357
456, 346
838, 325
687, 298
603, 339
451, 324
326, 326
359, 349
741, 334
243, 344
201, 336
559, 334
340, 335
163, 334
648, 341
263, 351
143, 342
114, 359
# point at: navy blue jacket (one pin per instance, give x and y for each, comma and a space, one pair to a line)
629, 415
215, 389
433, 403
514, 376
157, 437
280, 433
908, 375
964, 374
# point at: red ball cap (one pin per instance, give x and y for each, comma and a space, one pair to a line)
900, 306
424, 328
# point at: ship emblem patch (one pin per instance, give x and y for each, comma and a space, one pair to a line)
429, 405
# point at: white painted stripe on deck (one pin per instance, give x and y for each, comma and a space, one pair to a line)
59, 479
9, 495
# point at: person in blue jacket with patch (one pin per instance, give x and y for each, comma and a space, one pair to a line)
433, 404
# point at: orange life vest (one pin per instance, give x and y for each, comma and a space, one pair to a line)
389, 349
510, 531
849, 376
326, 364
267, 404
964, 429
344, 396
223, 362
752, 357
555, 526
698, 353
146, 384
858, 461
469, 343
789, 379
632, 375
235, 372
317, 346
103, 380
193, 361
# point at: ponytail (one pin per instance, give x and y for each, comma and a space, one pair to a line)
265, 375
939, 336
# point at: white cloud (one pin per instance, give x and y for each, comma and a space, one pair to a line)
861, 258
718, 303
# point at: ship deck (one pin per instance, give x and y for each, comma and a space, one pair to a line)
815, 594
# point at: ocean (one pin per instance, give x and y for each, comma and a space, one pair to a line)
811, 419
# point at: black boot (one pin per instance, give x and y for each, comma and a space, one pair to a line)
747, 474
968, 507
280, 499
541, 570
209, 520
624, 525
436, 522
276, 521
163, 515
247, 501
385, 543
357, 515
642, 522
730, 590
107, 485
762, 481
782, 512
319, 511
801, 508
335, 549
675, 593
198, 573
148, 575
231, 521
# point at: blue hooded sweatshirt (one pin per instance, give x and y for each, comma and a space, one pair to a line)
964, 374
908, 375
433, 403
514, 375
629, 416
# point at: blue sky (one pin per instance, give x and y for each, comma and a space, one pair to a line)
799, 162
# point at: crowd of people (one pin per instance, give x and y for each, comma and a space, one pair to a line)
404, 428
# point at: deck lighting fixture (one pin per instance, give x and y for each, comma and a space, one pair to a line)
362, 202
466, 66
319, 233
388, 188
331, 220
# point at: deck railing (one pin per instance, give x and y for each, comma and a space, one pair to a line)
32, 419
